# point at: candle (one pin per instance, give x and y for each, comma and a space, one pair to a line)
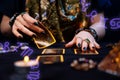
26, 62
23, 67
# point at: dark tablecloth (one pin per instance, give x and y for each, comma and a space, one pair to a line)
58, 71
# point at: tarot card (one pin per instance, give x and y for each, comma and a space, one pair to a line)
52, 55
45, 39
88, 52
53, 51
50, 59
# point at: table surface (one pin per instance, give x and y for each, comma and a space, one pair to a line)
57, 71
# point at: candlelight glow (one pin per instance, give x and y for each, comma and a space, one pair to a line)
38, 58
26, 59
117, 59
84, 23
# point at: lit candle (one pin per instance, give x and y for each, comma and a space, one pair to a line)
26, 62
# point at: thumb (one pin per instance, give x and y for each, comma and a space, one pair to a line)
71, 43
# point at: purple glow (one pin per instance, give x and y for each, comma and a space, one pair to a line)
33, 75
106, 19
16, 48
35, 67
118, 24
94, 12
85, 5
6, 46
27, 52
1, 45
115, 23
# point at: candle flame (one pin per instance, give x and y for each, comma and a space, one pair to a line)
84, 23
26, 59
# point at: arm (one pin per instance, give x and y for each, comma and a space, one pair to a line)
98, 24
4, 26
84, 39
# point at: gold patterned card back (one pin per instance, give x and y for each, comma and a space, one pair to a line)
43, 40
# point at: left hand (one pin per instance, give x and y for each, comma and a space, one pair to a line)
84, 40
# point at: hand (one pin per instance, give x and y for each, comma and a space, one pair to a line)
26, 24
84, 40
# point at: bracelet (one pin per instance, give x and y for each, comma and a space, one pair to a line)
94, 33
12, 20
90, 30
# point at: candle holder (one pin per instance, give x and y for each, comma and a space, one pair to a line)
22, 68
20, 73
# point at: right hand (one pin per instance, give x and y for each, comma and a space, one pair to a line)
80, 41
26, 24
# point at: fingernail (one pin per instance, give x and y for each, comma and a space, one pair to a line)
20, 36
85, 49
43, 32
93, 47
78, 45
34, 35
36, 23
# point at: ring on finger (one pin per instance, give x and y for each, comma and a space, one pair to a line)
87, 40
22, 13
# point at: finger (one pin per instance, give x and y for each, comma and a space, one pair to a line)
71, 43
91, 46
15, 32
31, 21
24, 29
96, 45
35, 28
84, 45
78, 42
22, 21
28, 18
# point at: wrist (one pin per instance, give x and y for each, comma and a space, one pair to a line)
100, 29
12, 19
90, 30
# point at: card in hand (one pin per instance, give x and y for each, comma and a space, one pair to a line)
44, 39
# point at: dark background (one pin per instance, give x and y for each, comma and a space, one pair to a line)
63, 71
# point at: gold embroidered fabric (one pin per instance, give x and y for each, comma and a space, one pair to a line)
61, 17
